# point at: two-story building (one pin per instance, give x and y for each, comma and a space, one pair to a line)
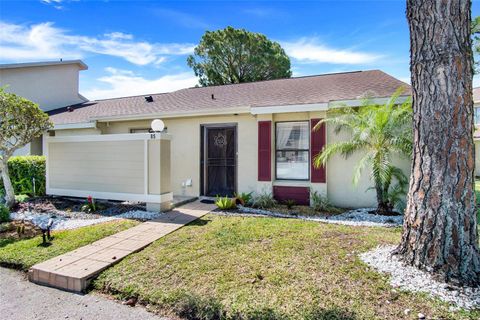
51, 85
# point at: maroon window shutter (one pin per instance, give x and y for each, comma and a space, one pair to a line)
264, 150
317, 141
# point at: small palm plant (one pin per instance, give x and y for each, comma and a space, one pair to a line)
378, 132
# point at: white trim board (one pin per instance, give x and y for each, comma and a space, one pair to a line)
152, 198
290, 108
166, 115
111, 137
80, 125
358, 102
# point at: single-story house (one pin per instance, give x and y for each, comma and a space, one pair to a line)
218, 140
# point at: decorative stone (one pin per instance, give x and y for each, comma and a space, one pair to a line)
409, 278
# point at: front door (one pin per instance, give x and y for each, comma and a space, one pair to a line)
220, 160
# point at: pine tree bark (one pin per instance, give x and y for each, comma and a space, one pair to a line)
440, 226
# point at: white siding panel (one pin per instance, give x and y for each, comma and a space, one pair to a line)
113, 166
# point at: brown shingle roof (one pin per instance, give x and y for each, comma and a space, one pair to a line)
292, 91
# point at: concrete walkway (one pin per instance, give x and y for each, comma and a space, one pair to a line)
74, 270
21, 299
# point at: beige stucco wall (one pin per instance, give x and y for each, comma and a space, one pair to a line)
103, 166
185, 148
51, 87
341, 190
159, 165
185, 157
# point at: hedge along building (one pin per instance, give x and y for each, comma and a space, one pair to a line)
222, 139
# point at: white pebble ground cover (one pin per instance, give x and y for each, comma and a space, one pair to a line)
358, 217
412, 279
64, 223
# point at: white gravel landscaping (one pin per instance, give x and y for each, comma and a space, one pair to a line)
412, 279
64, 223
357, 217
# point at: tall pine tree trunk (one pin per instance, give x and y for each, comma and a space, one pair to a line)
440, 228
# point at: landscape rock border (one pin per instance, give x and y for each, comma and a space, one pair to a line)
358, 217
412, 279
65, 223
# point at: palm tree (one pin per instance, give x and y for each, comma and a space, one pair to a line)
378, 132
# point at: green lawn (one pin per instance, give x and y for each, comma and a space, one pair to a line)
222, 267
22, 254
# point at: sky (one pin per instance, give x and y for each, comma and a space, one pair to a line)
134, 48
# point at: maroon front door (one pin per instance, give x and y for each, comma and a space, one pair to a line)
220, 161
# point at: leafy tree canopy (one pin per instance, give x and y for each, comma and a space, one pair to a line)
20, 122
237, 55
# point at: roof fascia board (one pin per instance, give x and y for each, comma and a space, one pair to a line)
80, 63
80, 125
211, 112
359, 102
290, 108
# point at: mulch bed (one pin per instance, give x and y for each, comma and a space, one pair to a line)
72, 207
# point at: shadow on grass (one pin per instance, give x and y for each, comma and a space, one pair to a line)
193, 308
199, 222
6, 242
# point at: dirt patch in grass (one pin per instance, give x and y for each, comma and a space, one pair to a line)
17, 230
224, 267
23, 253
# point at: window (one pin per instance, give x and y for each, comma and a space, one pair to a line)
477, 115
292, 150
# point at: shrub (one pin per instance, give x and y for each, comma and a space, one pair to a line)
243, 198
20, 198
4, 213
290, 203
225, 203
90, 206
23, 169
263, 201
319, 202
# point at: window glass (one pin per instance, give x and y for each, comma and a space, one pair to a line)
477, 115
292, 154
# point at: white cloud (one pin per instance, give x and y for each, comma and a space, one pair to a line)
45, 41
121, 83
309, 50
54, 3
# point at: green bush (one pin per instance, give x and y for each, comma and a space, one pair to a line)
4, 213
290, 203
20, 198
225, 203
243, 198
319, 202
22, 170
263, 201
